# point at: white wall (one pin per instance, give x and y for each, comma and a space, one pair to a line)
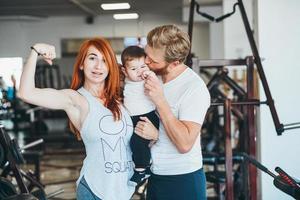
17, 36
200, 40
215, 38
12, 39
236, 44
279, 44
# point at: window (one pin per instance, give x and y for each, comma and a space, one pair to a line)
132, 41
10, 67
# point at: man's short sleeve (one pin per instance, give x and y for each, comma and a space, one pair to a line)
195, 105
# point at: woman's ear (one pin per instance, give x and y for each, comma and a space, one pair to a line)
81, 67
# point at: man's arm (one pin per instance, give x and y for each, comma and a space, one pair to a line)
182, 133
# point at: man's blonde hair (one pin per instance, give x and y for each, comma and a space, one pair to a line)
174, 41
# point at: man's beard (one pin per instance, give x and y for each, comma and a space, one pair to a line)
161, 71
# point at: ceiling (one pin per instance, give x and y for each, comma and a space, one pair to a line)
46, 8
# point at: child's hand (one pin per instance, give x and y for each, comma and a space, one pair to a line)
147, 74
46, 51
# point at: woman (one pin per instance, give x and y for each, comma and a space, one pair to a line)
96, 115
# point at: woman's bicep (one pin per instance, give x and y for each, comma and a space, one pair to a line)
49, 98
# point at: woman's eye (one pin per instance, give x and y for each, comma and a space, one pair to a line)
92, 58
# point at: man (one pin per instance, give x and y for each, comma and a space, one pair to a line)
181, 102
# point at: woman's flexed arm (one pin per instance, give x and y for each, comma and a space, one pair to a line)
47, 97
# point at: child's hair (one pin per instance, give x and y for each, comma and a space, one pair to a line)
130, 53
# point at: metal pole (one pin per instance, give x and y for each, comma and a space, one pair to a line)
278, 125
188, 61
228, 150
191, 20
251, 125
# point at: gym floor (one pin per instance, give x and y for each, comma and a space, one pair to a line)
61, 172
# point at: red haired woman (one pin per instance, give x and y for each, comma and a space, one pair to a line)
93, 105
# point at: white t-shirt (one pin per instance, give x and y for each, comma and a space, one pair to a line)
189, 99
135, 100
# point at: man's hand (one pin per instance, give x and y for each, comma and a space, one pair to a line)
153, 88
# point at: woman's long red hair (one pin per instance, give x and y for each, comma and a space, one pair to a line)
111, 92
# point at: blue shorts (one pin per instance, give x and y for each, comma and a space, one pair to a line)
84, 192
191, 186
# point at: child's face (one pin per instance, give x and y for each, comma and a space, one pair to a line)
135, 68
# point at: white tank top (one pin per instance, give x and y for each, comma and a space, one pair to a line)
108, 165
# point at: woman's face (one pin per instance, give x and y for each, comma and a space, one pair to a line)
94, 66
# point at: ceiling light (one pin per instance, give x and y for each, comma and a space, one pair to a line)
126, 16
115, 6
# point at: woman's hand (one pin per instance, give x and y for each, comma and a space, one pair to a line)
146, 129
46, 51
